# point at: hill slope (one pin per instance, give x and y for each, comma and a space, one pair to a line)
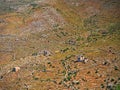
45, 37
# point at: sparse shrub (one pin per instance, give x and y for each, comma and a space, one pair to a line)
112, 80
19, 79
104, 80
92, 39
119, 78
56, 25
53, 66
60, 28
102, 86
56, 28
64, 72
84, 80
94, 61
58, 35
115, 68
86, 89
69, 77
63, 62
79, 38
1, 77
35, 78
60, 82
73, 49
64, 33
41, 80
68, 57
65, 79
49, 64
44, 70
34, 5
74, 74
96, 71
57, 9
88, 72
66, 49
54, 81
48, 79
91, 22
34, 54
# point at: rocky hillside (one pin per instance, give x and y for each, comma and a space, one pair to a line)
59, 44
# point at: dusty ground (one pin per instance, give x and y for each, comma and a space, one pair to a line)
65, 29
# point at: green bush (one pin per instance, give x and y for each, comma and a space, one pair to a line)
117, 87
115, 68
66, 49
114, 28
68, 78
35, 78
34, 54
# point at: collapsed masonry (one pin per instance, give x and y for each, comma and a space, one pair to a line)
81, 58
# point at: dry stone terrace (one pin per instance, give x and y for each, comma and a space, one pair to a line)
59, 44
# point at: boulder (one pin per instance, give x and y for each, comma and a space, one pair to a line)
15, 69
45, 53
85, 60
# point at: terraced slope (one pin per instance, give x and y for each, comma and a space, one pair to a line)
45, 37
